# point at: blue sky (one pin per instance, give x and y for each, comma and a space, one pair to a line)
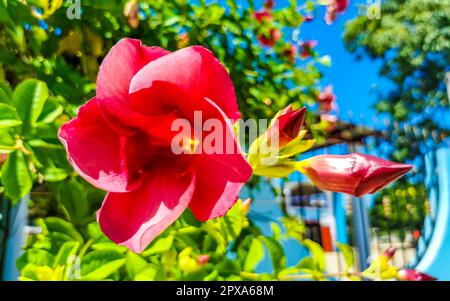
354, 81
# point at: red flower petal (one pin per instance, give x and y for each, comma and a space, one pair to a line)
123, 61
220, 177
194, 70
96, 151
135, 218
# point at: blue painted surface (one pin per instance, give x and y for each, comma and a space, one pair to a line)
339, 214
436, 260
18, 220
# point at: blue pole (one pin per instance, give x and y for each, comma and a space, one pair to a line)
18, 219
361, 225
436, 260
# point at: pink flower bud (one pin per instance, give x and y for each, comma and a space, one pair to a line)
287, 125
355, 174
413, 275
326, 99
203, 259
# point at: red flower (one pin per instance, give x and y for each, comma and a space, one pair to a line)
121, 140
307, 48
335, 7
269, 4
274, 35
355, 174
287, 125
291, 53
272, 39
413, 275
326, 99
262, 15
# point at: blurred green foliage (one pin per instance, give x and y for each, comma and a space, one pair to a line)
411, 39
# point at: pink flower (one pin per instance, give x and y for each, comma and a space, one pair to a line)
203, 259
263, 15
335, 7
287, 125
121, 140
131, 13
307, 48
309, 18
274, 35
326, 99
291, 53
354, 174
413, 275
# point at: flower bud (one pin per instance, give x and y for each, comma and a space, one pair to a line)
131, 12
203, 259
390, 252
287, 125
413, 275
354, 174
245, 205
326, 99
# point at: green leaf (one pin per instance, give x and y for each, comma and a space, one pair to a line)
347, 252
276, 253
160, 245
317, 254
16, 176
72, 196
60, 231
100, 264
5, 93
8, 116
134, 265
35, 256
254, 256
29, 98
52, 109
68, 249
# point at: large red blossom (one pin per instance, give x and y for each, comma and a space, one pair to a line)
121, 140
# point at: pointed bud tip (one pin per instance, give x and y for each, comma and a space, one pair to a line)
390, 252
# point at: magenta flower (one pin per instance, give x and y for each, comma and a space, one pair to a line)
121, 140
354, 174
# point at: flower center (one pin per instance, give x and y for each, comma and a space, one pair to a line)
189, 145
